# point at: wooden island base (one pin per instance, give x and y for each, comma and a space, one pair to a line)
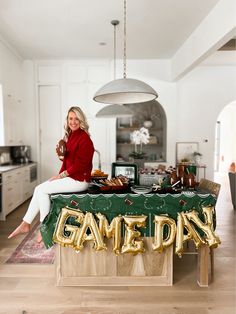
104, 268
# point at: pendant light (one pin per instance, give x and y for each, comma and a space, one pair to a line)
125, 90
114, 111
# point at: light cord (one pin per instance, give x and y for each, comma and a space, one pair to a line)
114, 51
125, 33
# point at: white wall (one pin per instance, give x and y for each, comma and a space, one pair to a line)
202, 94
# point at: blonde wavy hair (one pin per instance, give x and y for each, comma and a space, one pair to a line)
82, 119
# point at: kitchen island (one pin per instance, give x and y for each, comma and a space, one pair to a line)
88, 267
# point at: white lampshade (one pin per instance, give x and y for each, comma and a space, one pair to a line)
125, 91
114, 111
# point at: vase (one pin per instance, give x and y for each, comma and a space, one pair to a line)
139, 162
147, 124
197, 159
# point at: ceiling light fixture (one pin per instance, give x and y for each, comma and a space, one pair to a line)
114, 111
125, 90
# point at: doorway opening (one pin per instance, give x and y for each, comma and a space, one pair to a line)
225, 147
225, 138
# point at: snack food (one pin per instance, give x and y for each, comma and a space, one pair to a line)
112, 182
99, 173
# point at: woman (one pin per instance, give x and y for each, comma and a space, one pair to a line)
74, 174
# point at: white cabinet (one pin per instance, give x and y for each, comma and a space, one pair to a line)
16, 188
11, 91
27, 184
11, 133
11, 191
49, 74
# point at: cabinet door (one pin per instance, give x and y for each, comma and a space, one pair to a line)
12, 186
7, 123
12, 128
26, 190
18, 186
17, 122
28, 186
11, 192
8, 202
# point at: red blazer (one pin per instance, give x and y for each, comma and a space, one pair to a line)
78, 157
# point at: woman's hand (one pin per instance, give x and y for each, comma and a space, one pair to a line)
55, 178
61, 175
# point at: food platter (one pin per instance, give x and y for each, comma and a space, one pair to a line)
114, 188
99, 178
141, 189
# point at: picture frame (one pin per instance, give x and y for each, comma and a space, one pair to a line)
185, 150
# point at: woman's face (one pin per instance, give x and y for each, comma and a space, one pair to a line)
73, 121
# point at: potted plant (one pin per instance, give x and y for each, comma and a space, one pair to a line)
138, 138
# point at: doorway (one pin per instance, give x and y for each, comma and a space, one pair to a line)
225, 147
225, 138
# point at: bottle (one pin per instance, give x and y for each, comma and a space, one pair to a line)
190, 180
173, 177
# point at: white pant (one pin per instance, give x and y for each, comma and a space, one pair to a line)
40, 201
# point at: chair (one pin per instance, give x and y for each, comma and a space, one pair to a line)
209, 186
232, 183
213, 188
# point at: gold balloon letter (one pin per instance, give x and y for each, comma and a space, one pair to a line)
59, 234
192, 234
130, 245
206, 227
112, 230
89, 223
184, 222
160, 243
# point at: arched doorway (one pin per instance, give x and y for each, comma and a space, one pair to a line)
225, 138
225, 148
150, 115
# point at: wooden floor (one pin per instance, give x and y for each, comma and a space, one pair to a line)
30, 289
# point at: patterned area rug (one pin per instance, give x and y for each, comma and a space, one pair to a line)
31, 252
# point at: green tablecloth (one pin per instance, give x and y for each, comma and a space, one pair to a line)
112, 205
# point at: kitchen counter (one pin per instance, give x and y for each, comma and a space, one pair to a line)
5, 168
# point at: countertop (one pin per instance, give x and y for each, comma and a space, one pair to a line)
5, 168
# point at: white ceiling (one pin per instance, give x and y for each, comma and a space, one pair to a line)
65, 29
